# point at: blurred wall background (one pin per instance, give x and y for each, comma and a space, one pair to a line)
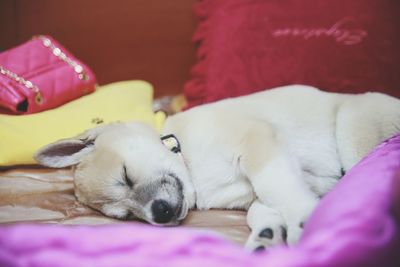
119, 40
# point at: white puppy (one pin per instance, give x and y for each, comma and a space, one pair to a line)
274, 153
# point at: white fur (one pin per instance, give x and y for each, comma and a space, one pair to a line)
273, 152
302, 137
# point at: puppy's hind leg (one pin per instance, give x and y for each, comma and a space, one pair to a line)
364, 121
267, 226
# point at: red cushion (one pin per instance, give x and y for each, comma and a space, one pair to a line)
335, 45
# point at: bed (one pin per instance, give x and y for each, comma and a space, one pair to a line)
167, 44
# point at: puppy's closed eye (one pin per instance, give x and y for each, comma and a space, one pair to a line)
127, 179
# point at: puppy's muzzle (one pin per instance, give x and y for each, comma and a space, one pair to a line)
162, 211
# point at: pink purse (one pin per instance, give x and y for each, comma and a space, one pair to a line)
39, 75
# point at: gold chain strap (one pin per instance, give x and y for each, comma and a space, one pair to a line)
26, 83
58, 53
61, 55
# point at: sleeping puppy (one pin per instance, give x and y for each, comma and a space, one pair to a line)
273, 153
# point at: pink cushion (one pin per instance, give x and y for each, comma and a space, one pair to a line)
336, 45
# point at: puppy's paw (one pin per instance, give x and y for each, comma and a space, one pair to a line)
268, 228
267, 236
294, 232
296, 225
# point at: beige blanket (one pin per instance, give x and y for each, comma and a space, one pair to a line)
47, 196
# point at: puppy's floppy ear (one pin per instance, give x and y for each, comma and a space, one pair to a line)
65, 152
68, 152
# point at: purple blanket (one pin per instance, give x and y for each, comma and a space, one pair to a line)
357, 224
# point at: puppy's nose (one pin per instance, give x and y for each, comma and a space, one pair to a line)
162, 211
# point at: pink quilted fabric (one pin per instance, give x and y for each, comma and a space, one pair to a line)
58, 82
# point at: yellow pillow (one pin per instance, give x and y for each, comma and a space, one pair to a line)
21, 136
